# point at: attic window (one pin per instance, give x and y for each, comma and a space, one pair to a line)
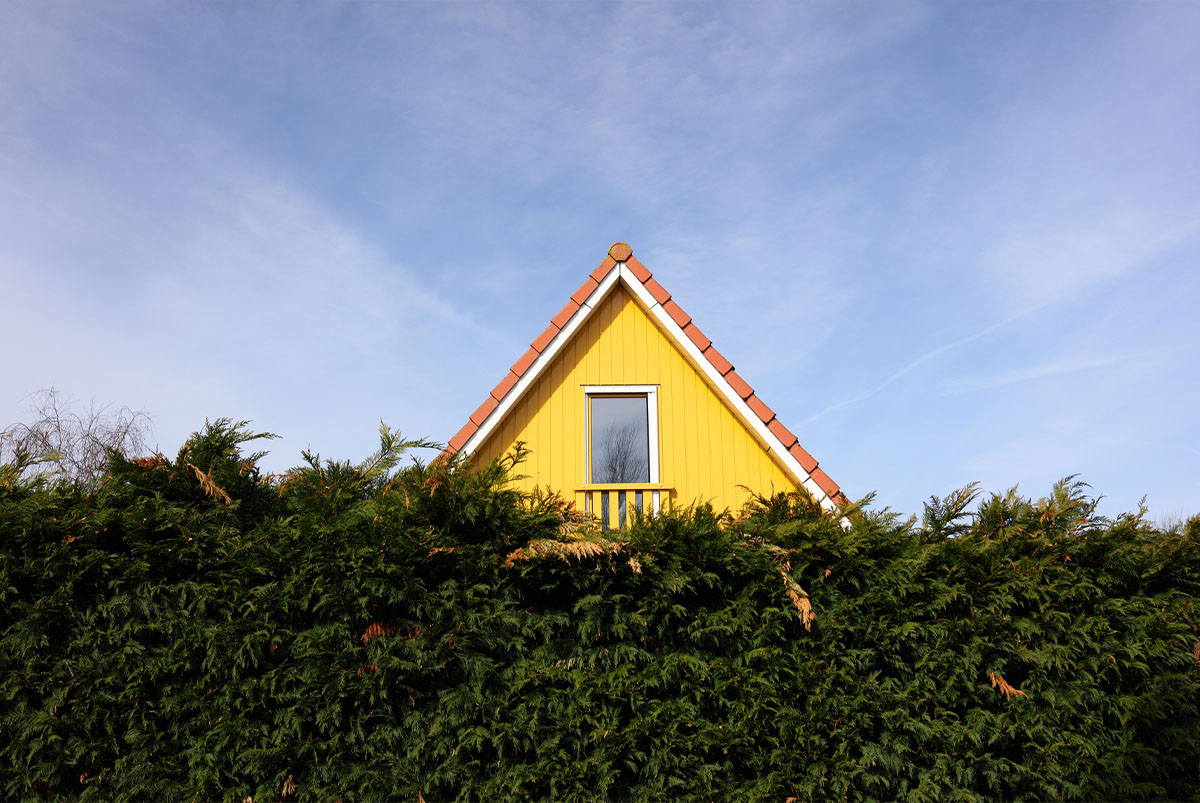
622, 434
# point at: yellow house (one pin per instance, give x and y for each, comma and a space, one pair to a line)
624, 403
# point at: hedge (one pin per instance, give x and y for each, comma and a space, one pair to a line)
196, 629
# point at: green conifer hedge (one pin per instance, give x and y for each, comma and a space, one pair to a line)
193, 629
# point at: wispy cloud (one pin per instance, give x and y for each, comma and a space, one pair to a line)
1052, 262
958, 385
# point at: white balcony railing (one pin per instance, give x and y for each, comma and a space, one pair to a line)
613, 503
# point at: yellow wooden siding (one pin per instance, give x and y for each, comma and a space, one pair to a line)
705, 451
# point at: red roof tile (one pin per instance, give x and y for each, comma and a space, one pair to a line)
677, 314
622, 253
693, 332
603, 268
522, 365
461, 436
504, 386
658, 291
739, 385
785, 435
564, 314
484, 410
637, 269
761, 410
806, 461
585, 290
718, 361
827, 485
539, 344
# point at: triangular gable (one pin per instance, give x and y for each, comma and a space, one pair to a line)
621, 267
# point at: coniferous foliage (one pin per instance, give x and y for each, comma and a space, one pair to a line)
194, 628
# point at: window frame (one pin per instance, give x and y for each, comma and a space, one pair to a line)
650, 392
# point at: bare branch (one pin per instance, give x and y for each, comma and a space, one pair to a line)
75, 445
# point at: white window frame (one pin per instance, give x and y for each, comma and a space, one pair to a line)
651, 394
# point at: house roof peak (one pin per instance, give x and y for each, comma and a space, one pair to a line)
678, 325
620, 251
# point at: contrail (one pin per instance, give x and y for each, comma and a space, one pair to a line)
866, 394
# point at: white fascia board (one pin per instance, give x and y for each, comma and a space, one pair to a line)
736, 402
517, 391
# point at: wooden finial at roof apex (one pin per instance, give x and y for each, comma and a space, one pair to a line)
620, 251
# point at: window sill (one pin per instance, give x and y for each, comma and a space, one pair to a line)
625, 486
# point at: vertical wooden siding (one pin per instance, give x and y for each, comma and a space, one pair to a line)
705, 452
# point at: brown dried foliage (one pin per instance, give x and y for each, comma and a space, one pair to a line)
564, 550
376, 630
210, 487
1008, 690
800, 600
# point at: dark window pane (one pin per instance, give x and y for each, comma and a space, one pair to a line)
620, 439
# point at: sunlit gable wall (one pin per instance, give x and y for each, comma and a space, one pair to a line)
704, 451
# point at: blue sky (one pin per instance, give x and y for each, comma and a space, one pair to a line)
945, 241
